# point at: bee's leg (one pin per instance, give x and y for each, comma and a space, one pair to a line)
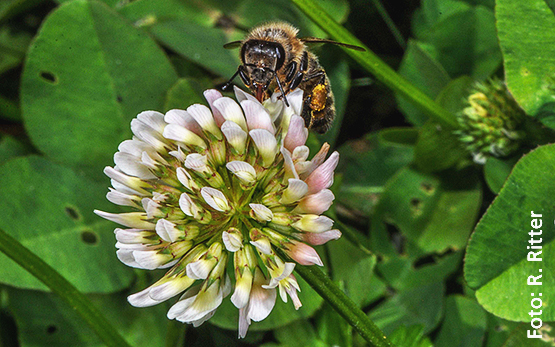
282, 92
300, 75
316, 74
290, 71
244, 77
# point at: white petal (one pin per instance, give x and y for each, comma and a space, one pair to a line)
215, 198
200, 269
167, 231
131, 235
203, 116
243, 285
300, 153
134, 147
185, 178
197, 162
294, 191
187, 205
126, 257
129, 181
178, 133
198, 322
152, 208
240, 95
184, 302
262, 212
266, 144
142, 299
289, 166
244, 322
313, 223
153, 119
205, 302
261, 303
257, 116
181, 117
236, 136
147, 134
295, 107
151, 260
232, 241
295, 99
275, 107
231, 111
287, 270
126, 190
263, 245
243, 170
122, 199
179, 154
131, 219
156, 140
170, 288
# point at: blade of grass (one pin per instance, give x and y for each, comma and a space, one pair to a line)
65, 290
373, 64
390, 23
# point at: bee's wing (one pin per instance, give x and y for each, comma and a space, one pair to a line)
232, 44
317, 40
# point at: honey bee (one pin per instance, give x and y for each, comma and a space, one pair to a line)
274, 58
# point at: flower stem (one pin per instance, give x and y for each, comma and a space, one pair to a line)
340, 302
373, 64
60, 286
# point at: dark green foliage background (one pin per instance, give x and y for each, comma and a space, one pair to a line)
434, 246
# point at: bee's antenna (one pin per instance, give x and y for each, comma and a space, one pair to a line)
281, 89
230, 80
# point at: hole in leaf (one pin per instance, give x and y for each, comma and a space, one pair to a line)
119, 99
49, 77
72, 213
51, 329
89, 237
416, 206
427, 187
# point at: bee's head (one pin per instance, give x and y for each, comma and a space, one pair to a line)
261, 59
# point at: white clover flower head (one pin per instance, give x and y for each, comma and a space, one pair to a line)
208, 184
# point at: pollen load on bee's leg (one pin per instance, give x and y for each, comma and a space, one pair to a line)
318, 98
318, 109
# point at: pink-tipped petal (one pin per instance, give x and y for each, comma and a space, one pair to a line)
212, 95
322, 177
296, 135
317, 239
317, 203
304, 254
257, 116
